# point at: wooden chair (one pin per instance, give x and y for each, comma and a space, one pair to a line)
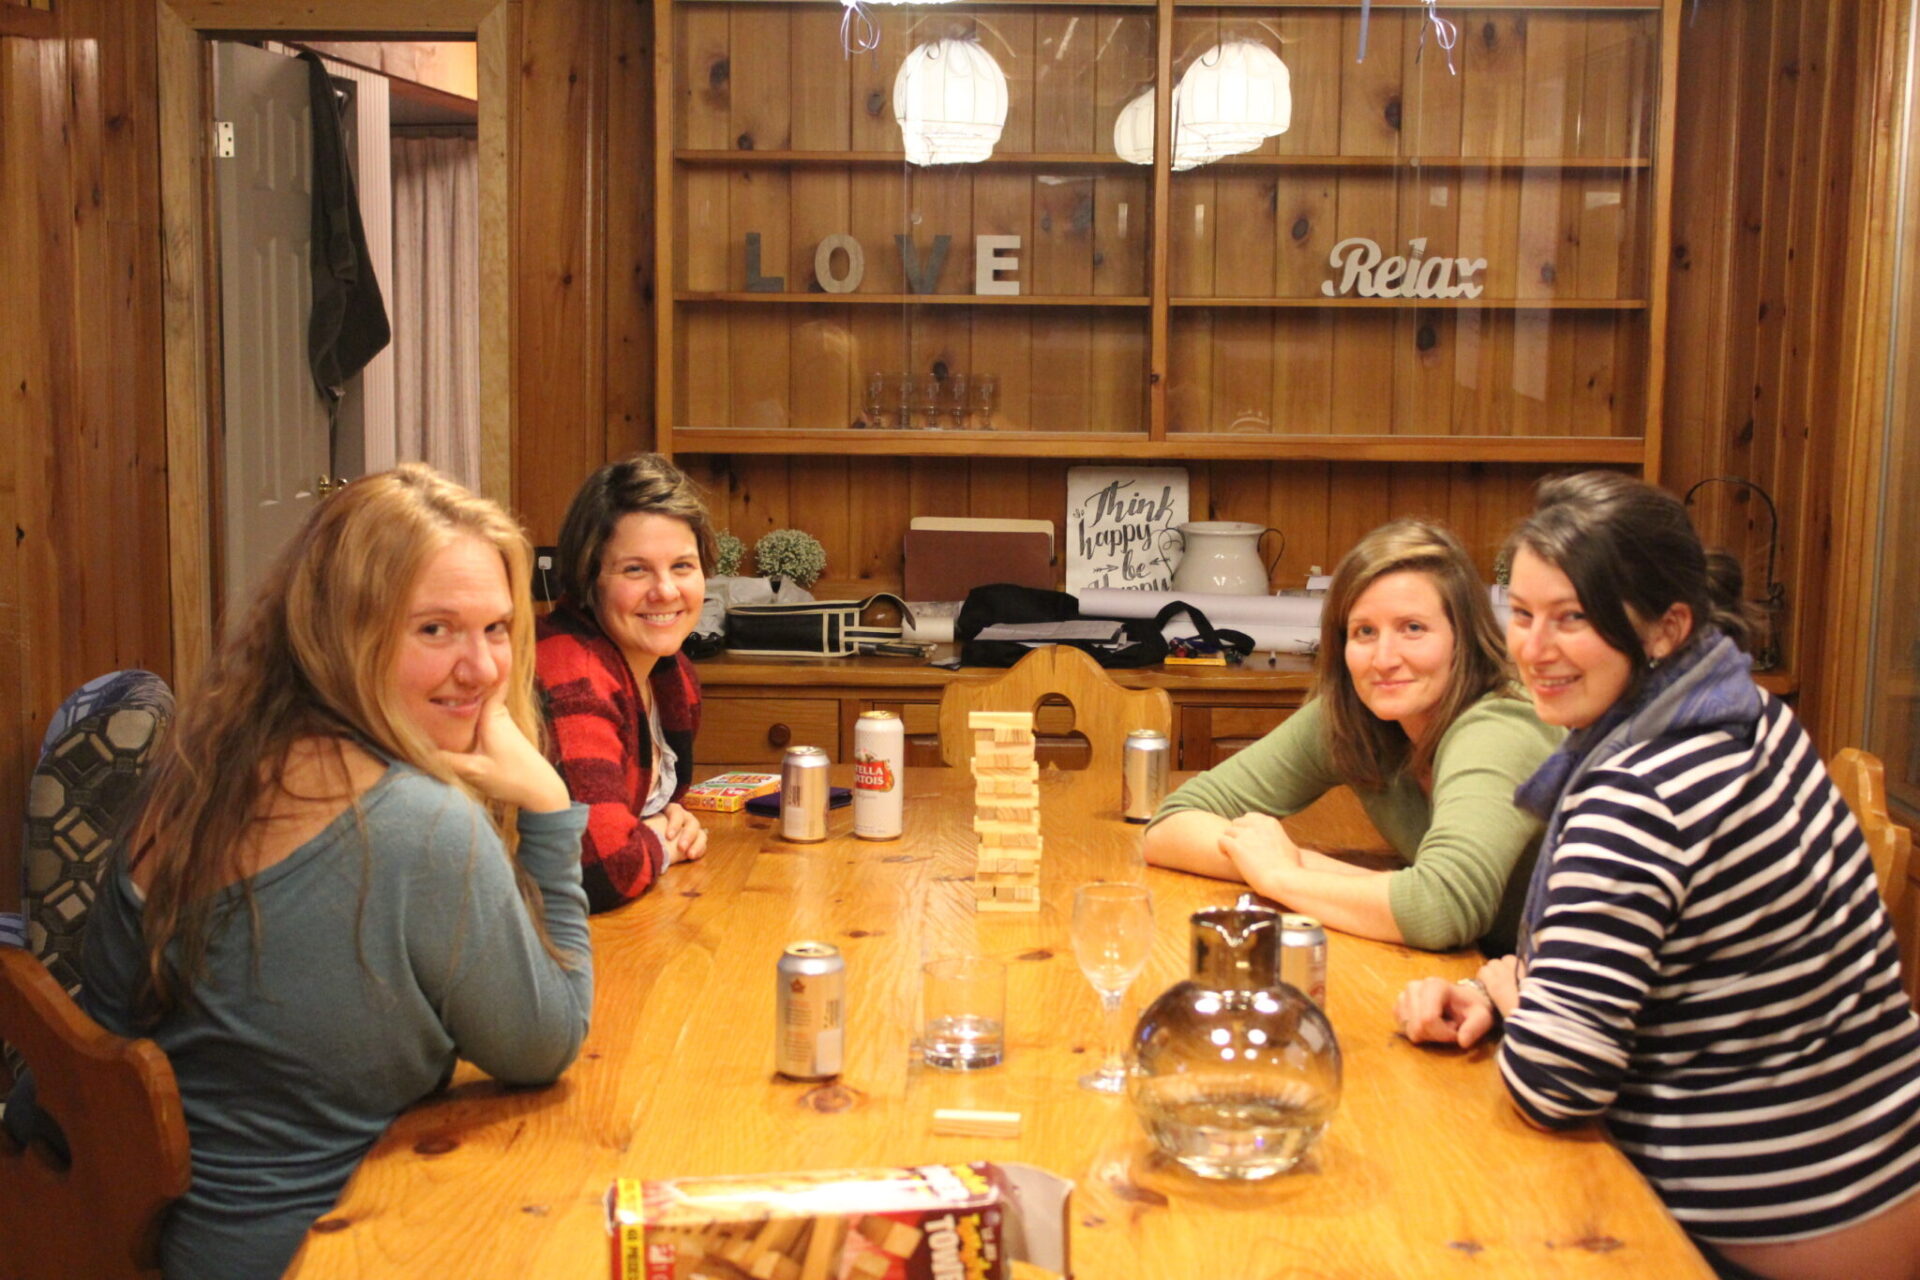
1103, 711
1862, 780
98, 1213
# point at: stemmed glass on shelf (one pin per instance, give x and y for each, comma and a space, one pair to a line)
1112, 936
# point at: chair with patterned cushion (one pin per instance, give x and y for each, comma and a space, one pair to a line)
91, 759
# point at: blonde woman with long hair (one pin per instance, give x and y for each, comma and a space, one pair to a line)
353, 865
1414, 707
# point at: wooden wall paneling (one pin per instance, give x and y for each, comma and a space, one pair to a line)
1367, 203
759, 498
828, 378
1869, 54
1424, 338
1357, 501
760, 202
455, 17
1242, 493
999, 487
1001, 342
821, 501
1047, 500
1298, 498
496, 59
878, 521
186, 342
938, 487
1418, 490
24, 407
560, 262
702, 102
629, 228
1493, 61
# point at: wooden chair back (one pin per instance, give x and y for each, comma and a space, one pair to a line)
1103, 710
97, 1214
1862, 780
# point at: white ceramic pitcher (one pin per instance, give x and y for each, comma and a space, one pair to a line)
1223, 557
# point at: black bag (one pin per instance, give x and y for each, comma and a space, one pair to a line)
809, 629
1142, 644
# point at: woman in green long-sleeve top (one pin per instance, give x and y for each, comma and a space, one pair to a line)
1414, 708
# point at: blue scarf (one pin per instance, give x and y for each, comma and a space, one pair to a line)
1708, 685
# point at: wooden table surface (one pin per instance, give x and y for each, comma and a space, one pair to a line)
1425, 1172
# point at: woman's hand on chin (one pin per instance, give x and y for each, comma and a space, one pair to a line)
505, 766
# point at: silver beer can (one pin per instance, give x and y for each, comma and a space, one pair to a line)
1143, 774
879, 756
803, 794
1303, 956
811, 1039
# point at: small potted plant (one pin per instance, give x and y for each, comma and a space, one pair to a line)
790, 554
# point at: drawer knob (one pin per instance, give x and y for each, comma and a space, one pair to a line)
779, 735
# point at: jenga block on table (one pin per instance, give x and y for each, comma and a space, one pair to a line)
1005, 904
1000, 720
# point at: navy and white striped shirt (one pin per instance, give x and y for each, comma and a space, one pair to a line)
1714, 974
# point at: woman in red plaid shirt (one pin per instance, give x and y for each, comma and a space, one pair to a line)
622, 702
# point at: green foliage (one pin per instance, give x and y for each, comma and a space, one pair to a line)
732, 552
790, 554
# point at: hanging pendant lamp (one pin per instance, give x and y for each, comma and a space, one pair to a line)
1233, 98
950, 99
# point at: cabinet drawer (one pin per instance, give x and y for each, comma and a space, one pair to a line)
759, 730
1209, 735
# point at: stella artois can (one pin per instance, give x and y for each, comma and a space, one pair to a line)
879, 757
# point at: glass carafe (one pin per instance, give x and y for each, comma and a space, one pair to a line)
1235, 1073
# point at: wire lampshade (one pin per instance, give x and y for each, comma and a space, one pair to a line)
950, 99
1234, 97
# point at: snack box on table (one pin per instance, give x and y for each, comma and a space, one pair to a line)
976, 1221
729, 792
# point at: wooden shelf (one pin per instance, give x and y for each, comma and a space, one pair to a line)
735, 159
730, 158
1560, 450
918, 299
1566, 164
1443, 304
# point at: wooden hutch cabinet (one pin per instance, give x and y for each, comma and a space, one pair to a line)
1430, 264
1451, 257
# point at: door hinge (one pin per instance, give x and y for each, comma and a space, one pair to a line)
223, 139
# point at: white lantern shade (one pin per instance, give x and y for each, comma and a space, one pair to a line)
1133, 137
1233, 98
950, 99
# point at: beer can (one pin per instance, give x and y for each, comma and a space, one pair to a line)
811, 1040
1143, 774
1303, 956
879, 755
803, 794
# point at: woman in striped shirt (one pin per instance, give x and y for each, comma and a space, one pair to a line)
1705, 963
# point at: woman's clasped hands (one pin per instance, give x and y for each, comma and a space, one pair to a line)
685, 839
1436, 1011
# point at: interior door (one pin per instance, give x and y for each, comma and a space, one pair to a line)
277, 442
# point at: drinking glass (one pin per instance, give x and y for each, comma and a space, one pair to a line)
900, 396
965, 999
1112, 935
876, 401
928, 397
985, 388
957, 399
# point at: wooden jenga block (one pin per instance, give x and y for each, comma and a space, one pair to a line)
1007, 835
822, 1260
1003, 904
1000, 720
869, 1266
1017, 893
1023, 809
997, 787
984, 772
890, 1237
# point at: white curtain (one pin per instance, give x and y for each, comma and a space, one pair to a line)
436, 303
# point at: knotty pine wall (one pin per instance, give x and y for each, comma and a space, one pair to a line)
1775, 99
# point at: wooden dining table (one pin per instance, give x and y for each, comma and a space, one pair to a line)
1425, 1171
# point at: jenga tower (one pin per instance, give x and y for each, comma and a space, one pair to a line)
1006, 811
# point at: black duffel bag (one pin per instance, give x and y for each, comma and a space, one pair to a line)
1141, 645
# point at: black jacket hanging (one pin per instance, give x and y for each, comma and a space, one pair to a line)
348, 324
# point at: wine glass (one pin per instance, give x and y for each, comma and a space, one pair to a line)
984, 390
1112, 934
928, 395
957, 401
876, 401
